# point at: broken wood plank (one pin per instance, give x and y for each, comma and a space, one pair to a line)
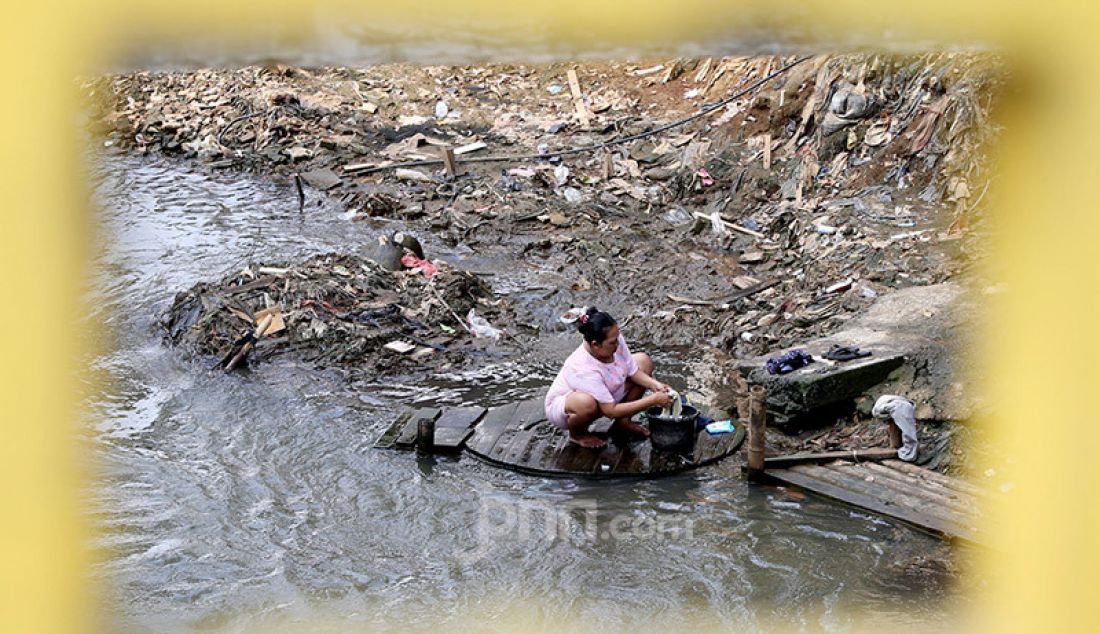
934, 524
460, 417
933, 492
956, 483
450, 439
449, 167
389, 437
578, 98
407, 438
855, 455
486, 432
470, 147
885, 493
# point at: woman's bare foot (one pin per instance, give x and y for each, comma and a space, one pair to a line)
627, 426
590, 441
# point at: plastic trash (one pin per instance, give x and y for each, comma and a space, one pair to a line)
479, 327
719, 427
561, 175
441, 110
426, 267
573, 314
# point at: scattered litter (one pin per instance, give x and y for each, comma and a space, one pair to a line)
400, 347
479, 327
424, 266
572, 195
405, 174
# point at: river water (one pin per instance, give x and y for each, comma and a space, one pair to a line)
255, 500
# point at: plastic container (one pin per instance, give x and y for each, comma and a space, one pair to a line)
672, 433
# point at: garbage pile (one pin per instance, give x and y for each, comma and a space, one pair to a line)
338, 310
763, 223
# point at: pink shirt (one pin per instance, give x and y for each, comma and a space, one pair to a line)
582, 372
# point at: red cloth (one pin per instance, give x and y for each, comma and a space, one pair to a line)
425, 266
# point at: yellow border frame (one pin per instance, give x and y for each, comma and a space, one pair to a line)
1037, 357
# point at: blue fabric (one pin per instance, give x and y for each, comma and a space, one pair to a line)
789, 361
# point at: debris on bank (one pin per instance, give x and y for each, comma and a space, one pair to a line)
843, 177
339, 310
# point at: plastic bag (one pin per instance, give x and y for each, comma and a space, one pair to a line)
479, 327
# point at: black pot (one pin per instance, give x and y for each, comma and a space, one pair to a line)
672, 433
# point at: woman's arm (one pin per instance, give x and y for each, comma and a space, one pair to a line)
648, 382
630, 408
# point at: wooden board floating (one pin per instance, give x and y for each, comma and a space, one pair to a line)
947, 506
517, 436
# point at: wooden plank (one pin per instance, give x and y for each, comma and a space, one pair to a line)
545, 444
460, 417
450, 439
884, 494
666, 462
490, 427
529, 413
574, 459
855, 455
608, 459
635, 460
517, 448
932, 523
955, 483
496, 452
389, 437
723, 445
929, 490
706, 445
407, 438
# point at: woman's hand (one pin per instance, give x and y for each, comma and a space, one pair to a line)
661, 387
662, 399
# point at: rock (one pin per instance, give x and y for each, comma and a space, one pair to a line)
384, 253
322, 179
659, 173
752, 256
557, 219
912, 334
298, 153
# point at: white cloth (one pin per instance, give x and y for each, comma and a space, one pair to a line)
901, 411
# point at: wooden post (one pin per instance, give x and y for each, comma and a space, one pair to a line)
449, 165
894, 433
425, 434
768, 151
608, 168
758, 398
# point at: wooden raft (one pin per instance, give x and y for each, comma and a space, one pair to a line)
947, 506
517, 436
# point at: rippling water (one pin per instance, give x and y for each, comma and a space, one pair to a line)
254, 500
